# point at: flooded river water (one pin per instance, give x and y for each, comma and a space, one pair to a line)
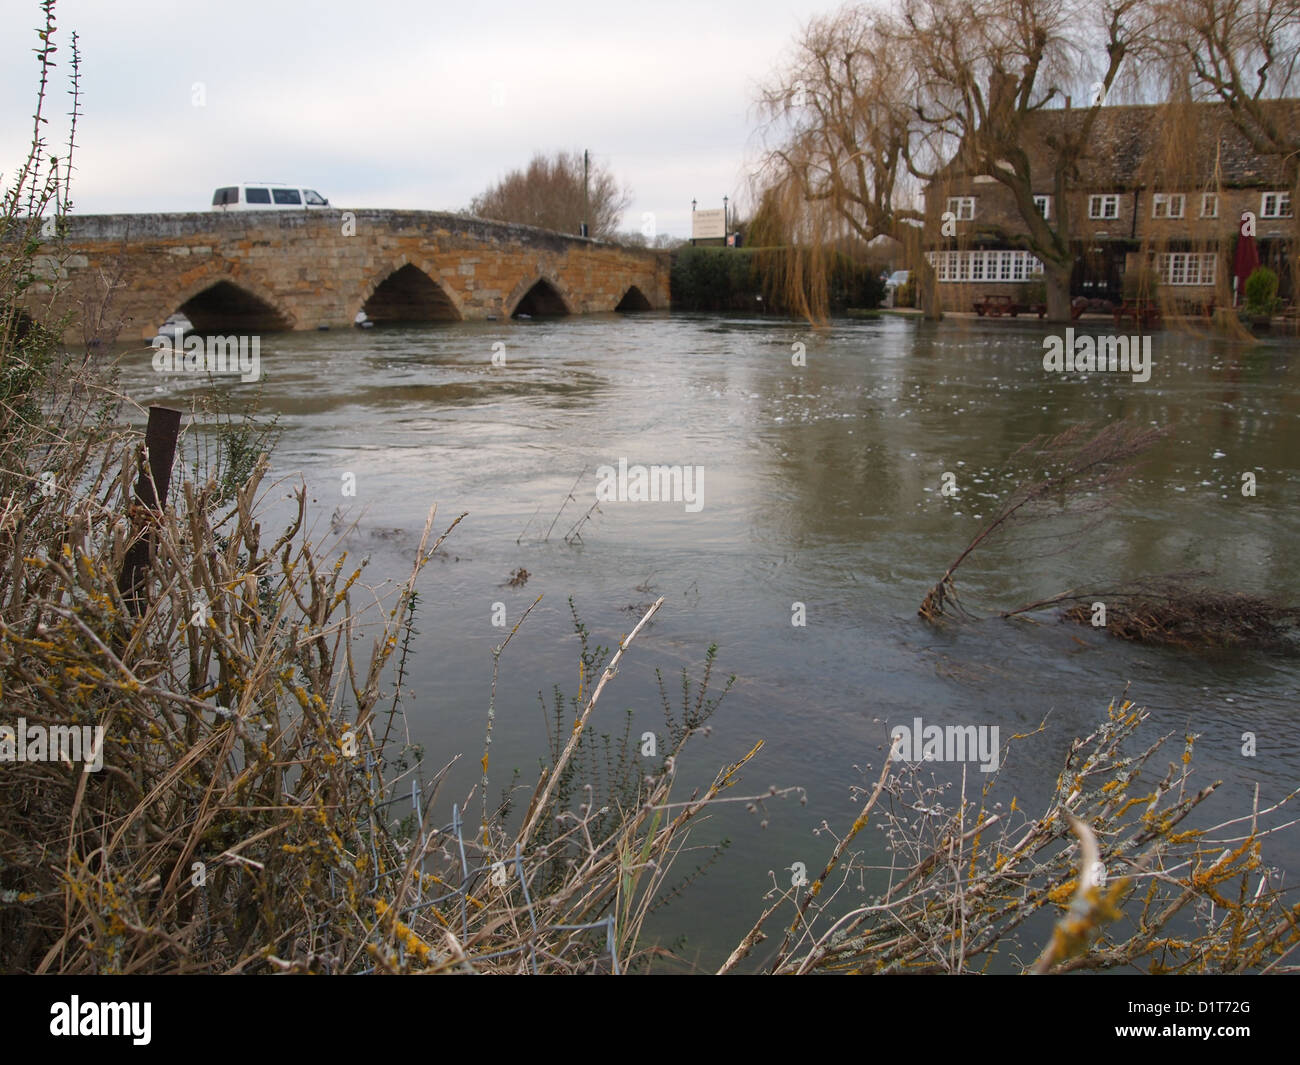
821, 486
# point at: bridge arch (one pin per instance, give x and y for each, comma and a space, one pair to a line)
410, 292
634, 300
541, 296
220, 303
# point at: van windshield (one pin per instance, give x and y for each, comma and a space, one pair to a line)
314, 198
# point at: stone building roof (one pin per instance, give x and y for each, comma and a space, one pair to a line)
1190, 145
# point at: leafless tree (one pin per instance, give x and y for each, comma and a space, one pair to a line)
549, 193
837, 134
1245, 54
982, 74
944, 90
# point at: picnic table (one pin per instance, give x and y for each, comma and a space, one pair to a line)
995, 306
1145, 313
1082, 305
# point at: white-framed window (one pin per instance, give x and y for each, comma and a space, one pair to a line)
1187, 267
1275, 205
984, 266
962, 208
1044, 205
1209, 205
1168, 205
1103, 206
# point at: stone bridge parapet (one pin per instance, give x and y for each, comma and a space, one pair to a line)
266, 271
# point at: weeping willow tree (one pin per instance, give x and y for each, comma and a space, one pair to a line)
1242, 53
836, 173
1242, 57
1189, 196
881, 115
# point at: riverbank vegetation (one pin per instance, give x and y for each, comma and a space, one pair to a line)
754, 280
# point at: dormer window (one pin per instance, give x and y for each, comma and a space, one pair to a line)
962, 208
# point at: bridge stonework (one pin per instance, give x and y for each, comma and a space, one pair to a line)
264, 271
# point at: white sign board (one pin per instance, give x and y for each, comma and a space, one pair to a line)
705, 224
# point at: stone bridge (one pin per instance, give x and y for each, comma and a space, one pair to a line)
251, 272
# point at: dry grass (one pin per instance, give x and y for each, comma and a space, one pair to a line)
1130, 886
240, 822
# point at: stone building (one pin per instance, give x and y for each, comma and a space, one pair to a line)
1163, 186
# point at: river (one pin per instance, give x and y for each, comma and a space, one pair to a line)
822, 486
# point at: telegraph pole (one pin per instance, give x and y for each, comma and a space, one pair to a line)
586, 169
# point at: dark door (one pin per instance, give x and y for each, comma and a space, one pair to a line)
1097, 272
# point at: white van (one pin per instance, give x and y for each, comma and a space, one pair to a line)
266, 196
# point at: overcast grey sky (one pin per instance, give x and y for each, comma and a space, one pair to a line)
391, 103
